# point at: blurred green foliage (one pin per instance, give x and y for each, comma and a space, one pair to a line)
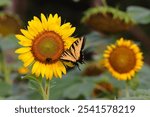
141, 15
5, 2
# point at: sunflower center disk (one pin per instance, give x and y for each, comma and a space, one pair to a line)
122, 59
48, 47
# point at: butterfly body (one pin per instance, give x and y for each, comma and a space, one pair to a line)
74, 54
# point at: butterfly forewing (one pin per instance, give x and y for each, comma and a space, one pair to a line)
74, 53
67, 56
78, 44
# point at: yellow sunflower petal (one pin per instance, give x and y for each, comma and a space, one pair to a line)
66, 26
68, 42
54, 20
28, 62
109, 48
38, 23
49, 71
50, 19
35, 67
23, 50
54, 23
106, 55
26, 34
61, 67
139, 55
26, 43
46, 72
128, 43
25, 56
68, 32
119, 42
54, 70
22, 38
55, 16
23, 70
44, 21
36, 29
32, 31
38, 71
36, 19
57, 20
43, 70
59, 70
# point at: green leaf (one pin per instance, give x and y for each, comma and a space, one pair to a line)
1, 59
34, 96
139, 14
5, 89
8, 42
34, 85
134, 83
32, 78
144, 77
79, 89
58, 86
96, 39
140, 94
29, 77
4, 2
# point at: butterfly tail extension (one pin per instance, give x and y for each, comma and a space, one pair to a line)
77, 66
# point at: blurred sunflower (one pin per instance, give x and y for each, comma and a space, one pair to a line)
123, 59
107, 19
105, 89
23, 70
9, 24
43, 43
94, 68
102, 87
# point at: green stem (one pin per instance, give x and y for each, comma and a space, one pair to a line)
4, 69
42, 91
104, 3
127, 89
45, 90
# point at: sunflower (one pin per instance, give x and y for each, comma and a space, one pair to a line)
9, 24
107, 19
123, 59
43, 43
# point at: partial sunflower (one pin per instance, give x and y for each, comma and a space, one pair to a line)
94, 69
105, 89
43, 43
102, 87
123, 59
107, 19
9, 24
23, 70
